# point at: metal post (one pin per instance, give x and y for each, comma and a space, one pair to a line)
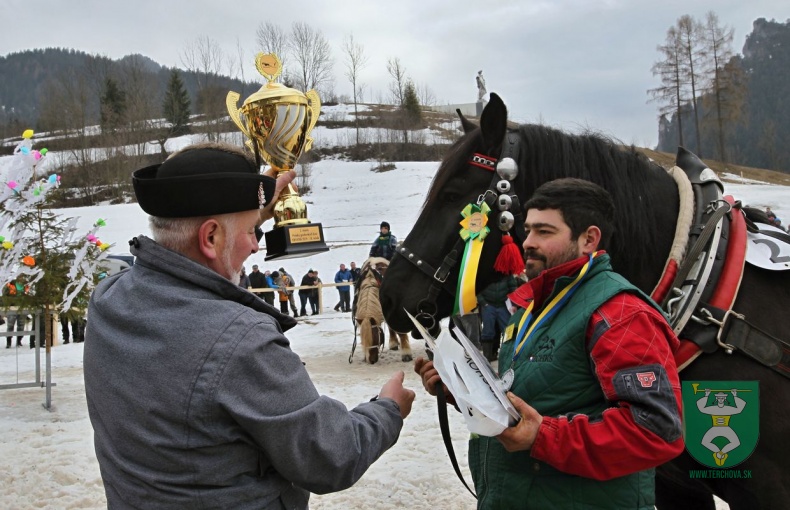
37, 336
46, 338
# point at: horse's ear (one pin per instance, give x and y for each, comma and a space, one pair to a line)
467, 125
493, 123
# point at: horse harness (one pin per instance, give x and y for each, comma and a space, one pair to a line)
700, 300
499, 196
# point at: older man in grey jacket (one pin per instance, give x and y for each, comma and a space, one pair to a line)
194, 394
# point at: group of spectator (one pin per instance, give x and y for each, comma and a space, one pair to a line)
383, 246
281, 282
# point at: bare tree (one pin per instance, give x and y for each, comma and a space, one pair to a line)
142, 100
398, 83
313, 56
726, 86
76, 102
670, 93
205, 58
355, 61
426, 95
272, 38
690, 36
404, 96
236, 65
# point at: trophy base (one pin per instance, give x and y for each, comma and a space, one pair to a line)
291, 241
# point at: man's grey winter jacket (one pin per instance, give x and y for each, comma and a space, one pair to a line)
197, 400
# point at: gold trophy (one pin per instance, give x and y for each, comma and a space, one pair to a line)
278, 120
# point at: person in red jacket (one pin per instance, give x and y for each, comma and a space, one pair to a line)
589, 360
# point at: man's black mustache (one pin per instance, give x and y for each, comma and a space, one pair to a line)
534, 255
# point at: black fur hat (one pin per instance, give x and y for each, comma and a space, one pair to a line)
384, 224
203, 180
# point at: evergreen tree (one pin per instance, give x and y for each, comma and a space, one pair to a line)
175, 107
411, 106
44, 265
113, 106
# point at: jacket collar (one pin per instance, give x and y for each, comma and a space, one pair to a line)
542, 286
154, 256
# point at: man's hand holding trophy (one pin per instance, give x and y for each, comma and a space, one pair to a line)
277, 121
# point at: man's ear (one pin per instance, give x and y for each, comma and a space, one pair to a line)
589, 239
209, 235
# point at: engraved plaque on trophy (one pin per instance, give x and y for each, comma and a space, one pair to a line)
277, 120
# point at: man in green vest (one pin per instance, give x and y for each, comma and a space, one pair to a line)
589, 359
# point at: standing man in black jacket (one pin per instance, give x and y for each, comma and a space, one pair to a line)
258, 281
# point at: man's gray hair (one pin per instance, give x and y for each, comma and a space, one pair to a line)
179, 234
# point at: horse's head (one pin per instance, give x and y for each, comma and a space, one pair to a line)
466, 176
374, 267
423, 276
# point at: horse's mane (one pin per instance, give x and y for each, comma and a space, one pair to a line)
546, 154
627, 174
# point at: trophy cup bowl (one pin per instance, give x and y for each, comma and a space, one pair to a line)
277, 121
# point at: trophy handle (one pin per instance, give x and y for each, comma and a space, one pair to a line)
231, 100
314, 106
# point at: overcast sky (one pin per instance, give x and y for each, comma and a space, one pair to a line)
568, 63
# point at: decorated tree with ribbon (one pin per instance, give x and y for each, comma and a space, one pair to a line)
44, 263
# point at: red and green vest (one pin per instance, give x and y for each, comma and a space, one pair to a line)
554, 374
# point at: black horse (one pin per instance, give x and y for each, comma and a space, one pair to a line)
646, 199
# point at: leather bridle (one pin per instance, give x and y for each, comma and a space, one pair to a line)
427, 308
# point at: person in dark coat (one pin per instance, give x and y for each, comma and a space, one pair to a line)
314, 293
304, 294
258, 281
384, 245
77, 329
244, 280
355, 272
495, 314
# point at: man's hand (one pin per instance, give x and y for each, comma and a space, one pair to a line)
707, 392
283, 180
430, 378
734, 392
402, 396
428, 374
522, 435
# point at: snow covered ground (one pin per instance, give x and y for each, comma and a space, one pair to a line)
47, 458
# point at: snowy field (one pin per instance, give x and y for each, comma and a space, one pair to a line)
47, 458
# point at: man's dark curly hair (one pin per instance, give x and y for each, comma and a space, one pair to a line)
581, 203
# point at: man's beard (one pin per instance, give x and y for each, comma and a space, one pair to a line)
571, 253
234, 274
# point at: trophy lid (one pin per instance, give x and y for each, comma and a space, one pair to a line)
270, 67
